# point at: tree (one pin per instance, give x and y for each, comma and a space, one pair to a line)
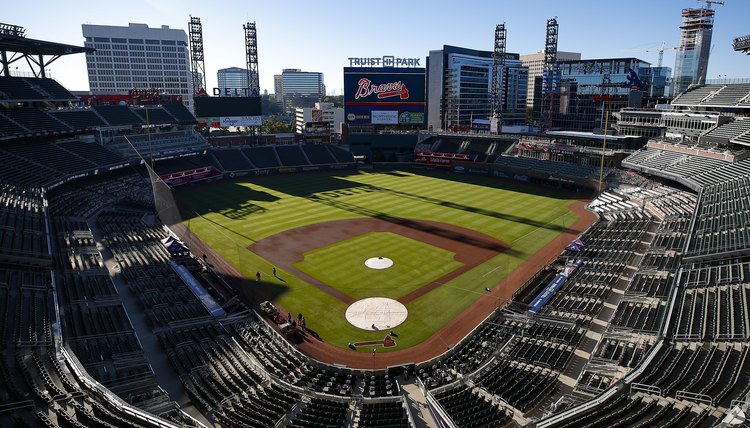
276, 126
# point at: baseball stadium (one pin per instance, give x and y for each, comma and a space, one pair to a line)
156, 275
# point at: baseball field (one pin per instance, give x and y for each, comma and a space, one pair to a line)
450, 238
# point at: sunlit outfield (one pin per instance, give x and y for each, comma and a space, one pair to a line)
231, 215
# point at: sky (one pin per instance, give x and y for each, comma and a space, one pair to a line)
321, 35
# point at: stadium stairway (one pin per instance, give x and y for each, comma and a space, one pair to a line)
417, 405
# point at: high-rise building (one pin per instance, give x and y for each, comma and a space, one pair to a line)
301, 88
278, 88
233, 82
587, 89
691, 63
535, 63
138, 57
459, 88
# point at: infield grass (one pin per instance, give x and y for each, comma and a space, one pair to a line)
342, 265
231, 215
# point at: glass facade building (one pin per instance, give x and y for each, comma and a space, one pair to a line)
691, 63
301, 88
588, 89
459, 88
233, 81
138, 57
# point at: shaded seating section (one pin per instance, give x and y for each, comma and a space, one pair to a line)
36, 121
549, 167
78, 119
291, 155
23, 236
85, 197
50, 88
262, 157
154, 116
320, 413
232, 159
119, 115
318, 154
53, 157
181, 113
18, 88
341, 155
259, 408
24, 172
8, 127
468, 409
185, 163
157, 144
94, 152
383, 415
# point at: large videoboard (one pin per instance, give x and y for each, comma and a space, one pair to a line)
227, 106
384, 96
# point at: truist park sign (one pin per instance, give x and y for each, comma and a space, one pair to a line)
384, 95
385, 61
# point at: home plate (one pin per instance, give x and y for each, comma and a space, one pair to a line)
376, 313
379, 263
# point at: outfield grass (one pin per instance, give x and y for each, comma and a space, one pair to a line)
232, 215
341, 265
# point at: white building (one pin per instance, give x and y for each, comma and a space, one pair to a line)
535, 62
307, 117
138, 57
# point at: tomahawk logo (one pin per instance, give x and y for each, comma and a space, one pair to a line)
384, 90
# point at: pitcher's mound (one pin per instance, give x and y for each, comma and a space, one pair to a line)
379, 263
376, 313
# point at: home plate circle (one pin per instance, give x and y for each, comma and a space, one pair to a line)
376, 313
379, 263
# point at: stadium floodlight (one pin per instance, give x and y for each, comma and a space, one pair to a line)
12, 30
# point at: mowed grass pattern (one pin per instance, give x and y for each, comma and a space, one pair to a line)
342, 265
231, 215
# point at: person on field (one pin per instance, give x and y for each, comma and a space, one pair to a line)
274, 271
257, 276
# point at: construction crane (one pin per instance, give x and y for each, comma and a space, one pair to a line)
660, 49
710, 2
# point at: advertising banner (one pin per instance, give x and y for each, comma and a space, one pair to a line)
384, 117
227, 121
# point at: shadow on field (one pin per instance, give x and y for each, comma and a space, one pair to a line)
257, 292
312, 183
234, 201
416, 225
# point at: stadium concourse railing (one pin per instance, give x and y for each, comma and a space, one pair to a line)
116, 402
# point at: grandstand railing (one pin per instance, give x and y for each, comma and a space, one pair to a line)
116, 401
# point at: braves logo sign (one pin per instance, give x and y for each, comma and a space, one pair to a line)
384, 90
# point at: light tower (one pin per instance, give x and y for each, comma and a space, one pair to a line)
549, 85
197, 64
498, 67
251, 57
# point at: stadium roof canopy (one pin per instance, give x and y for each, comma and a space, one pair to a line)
34, 51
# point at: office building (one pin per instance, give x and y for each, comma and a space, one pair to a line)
233, 82
138, 57
301, 88
319, 123
589, 90
459, 88
691, 62
535, 63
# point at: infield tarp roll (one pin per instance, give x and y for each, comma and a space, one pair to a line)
553, 286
